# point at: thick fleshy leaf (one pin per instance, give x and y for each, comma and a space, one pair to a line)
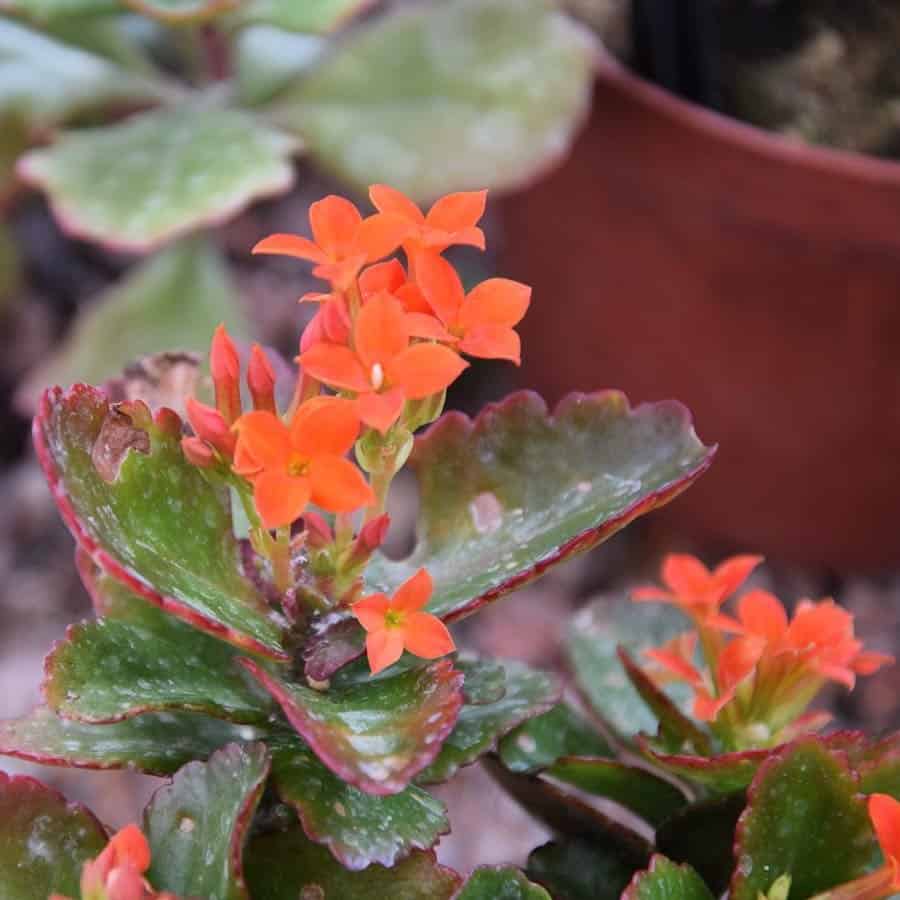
579, 870
49, 82
319, 17
641, 791
500, 883
665, 880
702, 835
804, 818
376, 735
159, 527
157, 743
181, 12
44, 840
723, 773
172, 302
539, 742
48, 11
267, 59
140, 183
879, 767
594, 637
527, 693
138, 659
197, 825
568, 814
359, 829
430, 100
282, 865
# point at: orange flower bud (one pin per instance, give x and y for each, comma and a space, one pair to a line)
261, 380
225, 366
197, 452
318, 534
371, 536
209, 425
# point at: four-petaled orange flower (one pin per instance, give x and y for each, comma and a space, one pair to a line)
451, 221
696, 591
292, 465
884, 811
343, 241
481, 321
383, 368
394, 624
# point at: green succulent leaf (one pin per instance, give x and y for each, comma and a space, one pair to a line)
527, 693
646, 794
268, 59
138, 659
541, 741
722, 773
159, 174
197, 825
500, 883
281, 865
157, 743
702, 835
181, 12
448, 96
49, 83
359, 829
595, 635
309, 17
665, 880
804, 818
48, 11
879, 768
157, 526
579, 870
44, 840
171, 302
376, 735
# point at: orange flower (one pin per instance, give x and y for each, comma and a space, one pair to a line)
304, 462
117, 873
884, 811
483, 320
696, 591
397, 623
343, 242
451, 220
383, 369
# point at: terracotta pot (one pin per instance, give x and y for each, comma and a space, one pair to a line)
679, 253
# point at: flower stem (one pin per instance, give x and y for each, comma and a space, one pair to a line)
280, 557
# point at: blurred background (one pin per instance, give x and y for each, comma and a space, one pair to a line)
705, 195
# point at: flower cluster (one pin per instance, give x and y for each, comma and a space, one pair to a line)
760, 669
375, 362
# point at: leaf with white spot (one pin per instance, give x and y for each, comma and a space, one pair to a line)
447, 96
140, 183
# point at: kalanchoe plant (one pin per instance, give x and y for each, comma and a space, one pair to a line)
706, 736
253, 643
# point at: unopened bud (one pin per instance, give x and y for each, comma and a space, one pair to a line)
225, 367
336, 321
209, 425
371, 536
198, 452
318, 534
261, 380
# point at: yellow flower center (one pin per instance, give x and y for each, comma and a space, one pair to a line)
394, 618
297, 465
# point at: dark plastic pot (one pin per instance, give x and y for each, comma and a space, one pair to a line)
679, 253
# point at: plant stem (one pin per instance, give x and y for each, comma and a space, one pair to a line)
280, 556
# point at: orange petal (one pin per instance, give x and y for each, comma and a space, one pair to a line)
412, 298
423, 325
370, 611
341, 274
676, 664
732, 573
492, 342
387, 276
884, 811
497, 301
441, 286
334, 221
265, 438
427, 636
335, 365
650, 594
313, 333
280, 498
337, 485
384, 648
380, 331
381, 234
316, 297
414, 593
456, 212
324, 426
130, 847
388, 199
685, 576
291, 245
869, 662
762, 615
380, 410
425, 369
737, 661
